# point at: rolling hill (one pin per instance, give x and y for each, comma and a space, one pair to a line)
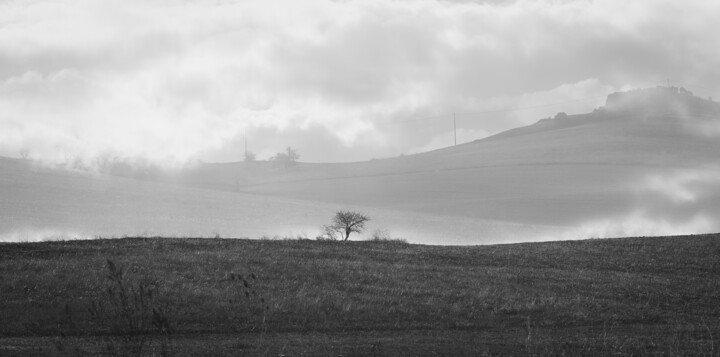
645, 164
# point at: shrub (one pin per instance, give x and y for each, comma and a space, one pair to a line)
128, 313
131, 311
383, 235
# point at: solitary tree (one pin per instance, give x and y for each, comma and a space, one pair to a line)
344, 223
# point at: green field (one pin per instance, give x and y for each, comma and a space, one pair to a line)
632, 296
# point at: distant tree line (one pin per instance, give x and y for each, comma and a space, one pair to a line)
287, 158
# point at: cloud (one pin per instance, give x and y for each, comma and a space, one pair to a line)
40, 235
172, 80
665, 201
683, 186
639, 224
572, 98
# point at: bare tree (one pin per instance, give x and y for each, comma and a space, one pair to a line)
344, 223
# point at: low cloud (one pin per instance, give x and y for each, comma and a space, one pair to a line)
666, 202
684, 186
640, 224
40, 235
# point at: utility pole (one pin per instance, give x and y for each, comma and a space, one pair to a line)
455, 128
668, 80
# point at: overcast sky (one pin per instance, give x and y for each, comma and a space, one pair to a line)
338, 80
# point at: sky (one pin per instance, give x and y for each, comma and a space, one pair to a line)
347, 80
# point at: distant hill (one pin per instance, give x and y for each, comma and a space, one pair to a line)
647, 163
631, 158
660, 104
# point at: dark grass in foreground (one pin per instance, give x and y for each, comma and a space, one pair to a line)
633, 296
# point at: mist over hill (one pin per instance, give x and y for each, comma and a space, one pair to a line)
644, 164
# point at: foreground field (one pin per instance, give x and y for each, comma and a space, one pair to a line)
634, 296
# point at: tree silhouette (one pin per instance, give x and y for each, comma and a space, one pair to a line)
344, 223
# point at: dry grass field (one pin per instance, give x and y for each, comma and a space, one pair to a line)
188, 297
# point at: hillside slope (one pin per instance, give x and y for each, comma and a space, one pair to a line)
647, 163
39, 203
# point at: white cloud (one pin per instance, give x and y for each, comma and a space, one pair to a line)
571, 98
683, 186
639, 224
170, 80
40, 235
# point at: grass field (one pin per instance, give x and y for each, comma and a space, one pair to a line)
162, 296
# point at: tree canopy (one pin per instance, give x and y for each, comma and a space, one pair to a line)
344, 223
